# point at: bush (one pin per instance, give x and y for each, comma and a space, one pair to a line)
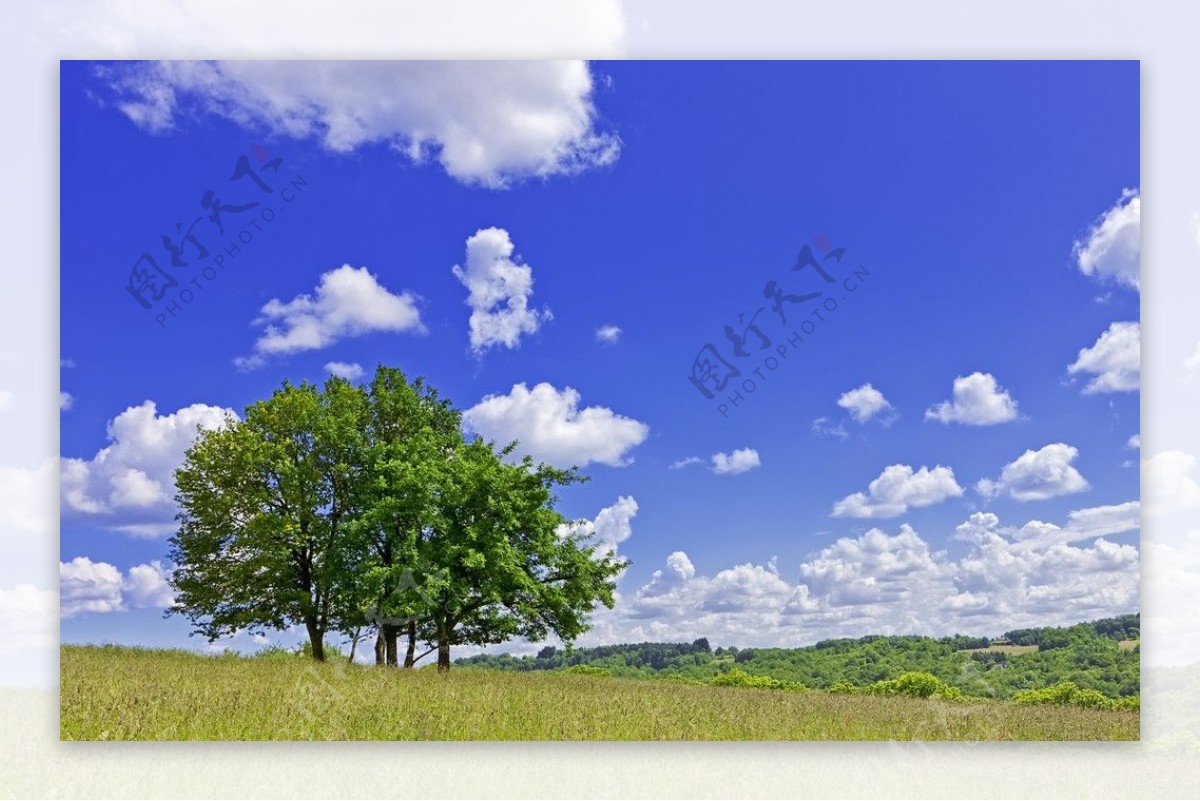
843, 687
587, 670
1067, 693
916, 685
740, 678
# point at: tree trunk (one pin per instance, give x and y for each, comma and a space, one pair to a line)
316, 638
410, 656
443, 662
379, 647
389, 638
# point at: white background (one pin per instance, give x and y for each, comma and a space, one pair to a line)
1163, 36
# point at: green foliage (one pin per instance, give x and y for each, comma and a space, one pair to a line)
1088, 659
739, 678
1067, 693
916, 685
343, 507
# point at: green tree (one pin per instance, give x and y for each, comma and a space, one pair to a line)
507, 563
411, 432
264, 506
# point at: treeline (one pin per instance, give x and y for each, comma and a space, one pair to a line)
364, 510
1092, 658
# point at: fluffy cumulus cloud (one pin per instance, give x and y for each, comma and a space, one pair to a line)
891, 583
1111, 251
738, 461
551, 427
351, 371
348, 302
65, 401
865, 403
899, 488
498, 290
1114, 363
977, 400
611, 527
608, 334
485, 122
129, 484
1037, 475
87, 587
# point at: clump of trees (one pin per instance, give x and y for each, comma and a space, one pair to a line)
359, 509
1089, 655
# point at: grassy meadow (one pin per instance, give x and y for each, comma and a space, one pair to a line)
112, 693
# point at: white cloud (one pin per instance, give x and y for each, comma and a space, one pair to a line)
146, 586
485, 122
65, 401
881, 583
608, 334
1114, 362
688, 462
738, 461
499, 288
1135, 442
347, 370
897, 489
821, 427
551, 427
1103, 521
87, 587
1037, 475
349, 302
1169, 479
977, 401
129, 484
612, 526
866, 402
1112, 250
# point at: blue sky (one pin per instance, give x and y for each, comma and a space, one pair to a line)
994, 206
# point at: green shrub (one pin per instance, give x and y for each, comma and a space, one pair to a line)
1067, 693
740, 678
843, 687
917, 685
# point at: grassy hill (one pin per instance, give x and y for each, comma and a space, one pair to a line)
112, 693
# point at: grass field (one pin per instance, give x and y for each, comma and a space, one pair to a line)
110, 693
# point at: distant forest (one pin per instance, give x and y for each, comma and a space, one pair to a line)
1103, 655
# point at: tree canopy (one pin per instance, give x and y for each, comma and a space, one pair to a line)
347, 508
